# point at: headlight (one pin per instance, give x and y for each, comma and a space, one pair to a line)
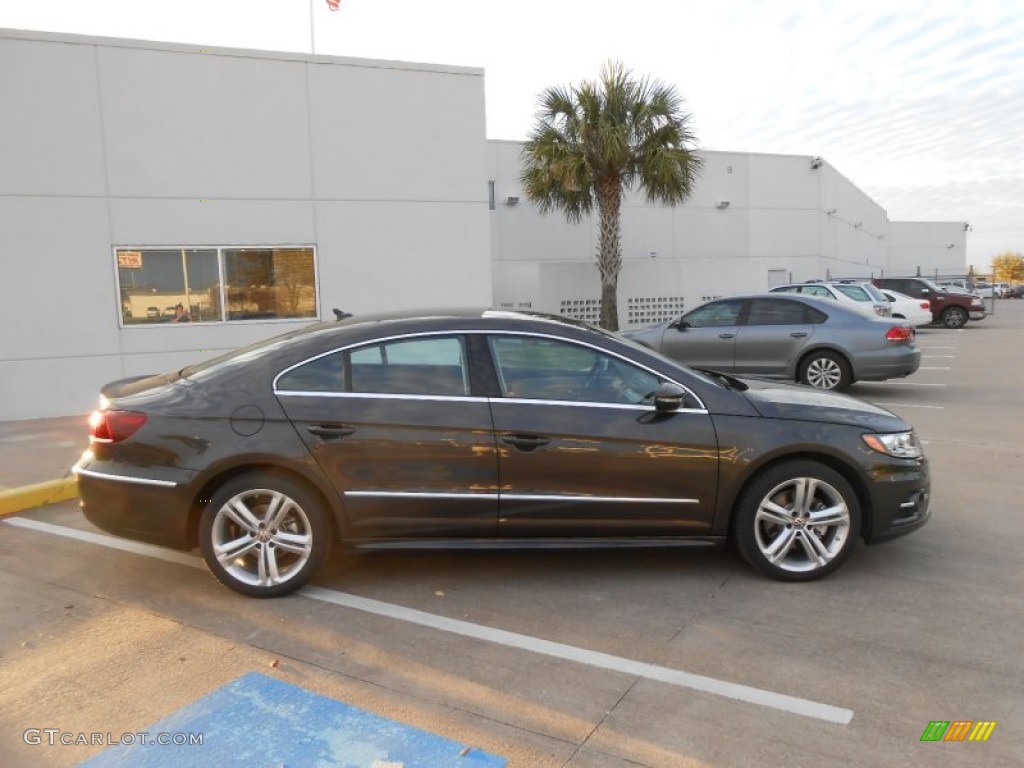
902, 445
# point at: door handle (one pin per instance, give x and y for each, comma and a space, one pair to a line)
798, 334
331, 431
525, 442
727, 335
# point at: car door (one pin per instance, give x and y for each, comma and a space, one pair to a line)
583, 453
395, 426
705, 337
774, 334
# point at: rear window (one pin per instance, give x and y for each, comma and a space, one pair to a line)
855, 292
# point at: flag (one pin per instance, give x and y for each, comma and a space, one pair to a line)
334, 4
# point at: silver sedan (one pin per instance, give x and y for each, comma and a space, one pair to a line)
787, 336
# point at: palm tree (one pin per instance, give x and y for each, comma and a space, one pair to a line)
592, 142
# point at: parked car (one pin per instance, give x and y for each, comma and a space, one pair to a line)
917, 311
957, 286
952, 310
1017, 292
859, 295
815, 341
488, 429
993, 290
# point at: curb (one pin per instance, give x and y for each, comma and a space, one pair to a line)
15, 500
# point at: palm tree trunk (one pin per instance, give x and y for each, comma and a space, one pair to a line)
609, 253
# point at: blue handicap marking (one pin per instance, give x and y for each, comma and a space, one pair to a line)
257, 720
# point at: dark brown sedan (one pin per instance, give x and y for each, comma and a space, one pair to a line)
488, 428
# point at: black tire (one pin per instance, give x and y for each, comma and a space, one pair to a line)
955, 317
769, 517
826, 370
252, 553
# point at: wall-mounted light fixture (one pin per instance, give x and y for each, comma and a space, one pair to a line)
858, 224
950, 246
968, 227
722, 204
816, 163
831, 210
511, 200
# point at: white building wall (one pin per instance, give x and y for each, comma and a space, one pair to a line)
928, 248
381, 166
753, 221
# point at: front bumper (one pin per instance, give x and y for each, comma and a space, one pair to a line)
900, 499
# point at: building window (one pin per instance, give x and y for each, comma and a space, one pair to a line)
215, 284
490, 195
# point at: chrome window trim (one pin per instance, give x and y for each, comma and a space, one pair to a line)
125, 478
383, 396
481, 399
487, 332
593, 404
517, 497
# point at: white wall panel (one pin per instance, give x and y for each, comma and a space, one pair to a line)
204, 125
57, 292
388, 133
50, 138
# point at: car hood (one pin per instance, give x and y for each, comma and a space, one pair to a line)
802, 403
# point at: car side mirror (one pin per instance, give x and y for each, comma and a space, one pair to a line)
669, 397
680, 325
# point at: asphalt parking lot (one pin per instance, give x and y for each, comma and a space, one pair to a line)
596, 659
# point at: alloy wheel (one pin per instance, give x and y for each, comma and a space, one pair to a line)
802, 524
261, 537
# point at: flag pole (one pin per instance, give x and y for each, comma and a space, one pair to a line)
312, 35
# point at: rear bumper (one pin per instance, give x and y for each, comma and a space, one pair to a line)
135, 502
893, 363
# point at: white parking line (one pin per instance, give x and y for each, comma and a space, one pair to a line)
744, 693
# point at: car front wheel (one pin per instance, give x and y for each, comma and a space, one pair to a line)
825, 370
797, 521
955, 317
264, 535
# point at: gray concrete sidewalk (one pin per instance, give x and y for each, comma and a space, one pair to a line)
38, 450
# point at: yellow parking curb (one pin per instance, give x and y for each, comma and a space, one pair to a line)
15, 500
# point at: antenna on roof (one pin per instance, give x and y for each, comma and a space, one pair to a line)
339, 315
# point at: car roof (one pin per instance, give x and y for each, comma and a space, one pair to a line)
828, 306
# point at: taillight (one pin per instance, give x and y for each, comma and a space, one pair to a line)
114, 426
900, 333
926, 305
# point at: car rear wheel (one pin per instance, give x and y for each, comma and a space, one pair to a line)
954, 317
264, 535
797, 521
825, 370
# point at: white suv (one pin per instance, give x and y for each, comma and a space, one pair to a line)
862, 296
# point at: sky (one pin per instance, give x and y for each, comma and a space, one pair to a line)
917, 103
